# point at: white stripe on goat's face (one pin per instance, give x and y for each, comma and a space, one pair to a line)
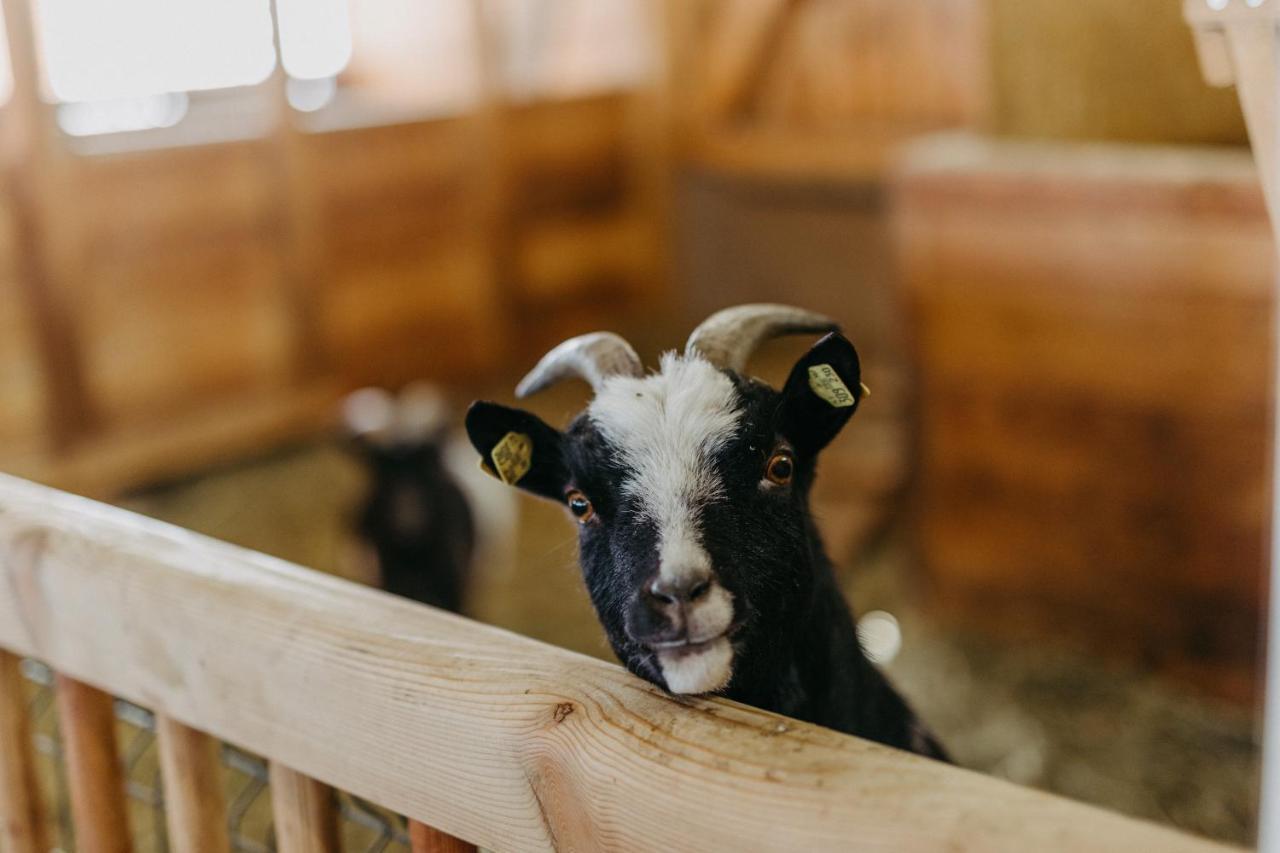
667, 427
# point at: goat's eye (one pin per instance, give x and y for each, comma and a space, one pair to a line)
780, 468
580, 506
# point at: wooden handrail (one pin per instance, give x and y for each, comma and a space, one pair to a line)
488, 736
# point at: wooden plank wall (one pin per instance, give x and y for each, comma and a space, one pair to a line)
177, 304
1094, 69
825, 89
1092, 328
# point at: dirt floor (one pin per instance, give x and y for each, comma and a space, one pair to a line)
1037, 716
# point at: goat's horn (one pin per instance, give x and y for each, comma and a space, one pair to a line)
594, 357
728, 338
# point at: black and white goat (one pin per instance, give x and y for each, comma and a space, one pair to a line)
690, 488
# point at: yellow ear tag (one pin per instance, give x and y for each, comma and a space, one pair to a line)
512, 457
826, 383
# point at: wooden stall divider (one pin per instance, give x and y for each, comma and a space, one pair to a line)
1239, 43
194, 808
94, 776
305, 818
426, 839
22, 828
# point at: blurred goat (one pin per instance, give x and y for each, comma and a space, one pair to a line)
416, 521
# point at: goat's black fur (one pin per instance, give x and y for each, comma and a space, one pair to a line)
417, 521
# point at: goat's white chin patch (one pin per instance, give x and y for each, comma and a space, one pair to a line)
703, 670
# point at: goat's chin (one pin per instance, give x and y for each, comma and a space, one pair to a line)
704, 669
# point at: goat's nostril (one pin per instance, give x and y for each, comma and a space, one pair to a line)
684, 591
662, 592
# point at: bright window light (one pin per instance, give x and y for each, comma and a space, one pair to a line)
146, 113
132, 49
6, 69
315, 37
307, 96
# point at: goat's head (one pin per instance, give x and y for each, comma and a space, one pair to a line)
689, 485
400, 439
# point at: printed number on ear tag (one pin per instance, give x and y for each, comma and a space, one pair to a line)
826, 383
512, 457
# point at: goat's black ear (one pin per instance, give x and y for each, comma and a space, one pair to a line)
518, 448
821, 394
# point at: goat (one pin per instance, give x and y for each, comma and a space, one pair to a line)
415, 519
690, 490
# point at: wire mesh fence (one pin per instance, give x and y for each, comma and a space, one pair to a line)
364, 827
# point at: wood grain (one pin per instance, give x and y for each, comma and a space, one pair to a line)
22, 827
425, 839
303, 809
1073, 460
493, 738
194, 808
94, 775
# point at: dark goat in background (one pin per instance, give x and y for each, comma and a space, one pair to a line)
415, 519
690, 487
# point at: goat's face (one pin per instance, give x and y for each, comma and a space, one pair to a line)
690, 489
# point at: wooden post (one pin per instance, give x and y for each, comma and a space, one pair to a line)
87, 721
425, 839
299, 223
1238, 41
305, 819
489, 172
35, 171
194, 808
22, 828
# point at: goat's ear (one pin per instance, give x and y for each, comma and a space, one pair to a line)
518, 448
821, 394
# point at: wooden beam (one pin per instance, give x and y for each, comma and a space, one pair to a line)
506, 742
425, 839
35, 167
94, 776
305, 818
131, 457
747, 38
299, 223
194, 808
1239, 44
22, 827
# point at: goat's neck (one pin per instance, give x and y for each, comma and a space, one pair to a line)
820, 673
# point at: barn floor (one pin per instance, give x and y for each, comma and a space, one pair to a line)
1037, 716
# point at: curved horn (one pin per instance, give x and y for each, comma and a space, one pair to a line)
728, 338
594, 357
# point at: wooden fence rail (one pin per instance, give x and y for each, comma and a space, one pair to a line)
485, 735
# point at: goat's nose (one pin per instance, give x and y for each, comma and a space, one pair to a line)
683, 589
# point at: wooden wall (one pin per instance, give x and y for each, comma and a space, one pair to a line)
1092, 328
168, 302
1096, 69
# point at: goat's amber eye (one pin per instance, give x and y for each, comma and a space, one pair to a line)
579, 506
780, 468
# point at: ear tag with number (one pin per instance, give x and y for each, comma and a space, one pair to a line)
512, 457
826, 383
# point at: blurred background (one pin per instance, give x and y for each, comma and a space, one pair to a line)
1044, 233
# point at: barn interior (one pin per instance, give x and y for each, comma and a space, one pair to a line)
1043, 231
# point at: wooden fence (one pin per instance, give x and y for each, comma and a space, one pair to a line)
486, 736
